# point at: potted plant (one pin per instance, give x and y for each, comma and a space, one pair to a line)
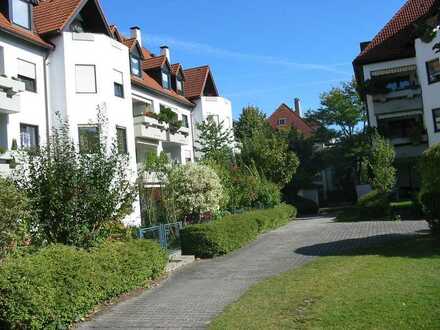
169, 117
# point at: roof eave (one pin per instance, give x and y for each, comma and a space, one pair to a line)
23, 37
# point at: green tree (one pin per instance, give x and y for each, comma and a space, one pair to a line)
381, 162
76, 196
251, 120
214, 140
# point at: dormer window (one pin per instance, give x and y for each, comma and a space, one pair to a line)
21, 13
179, 85
135, 65
166, 80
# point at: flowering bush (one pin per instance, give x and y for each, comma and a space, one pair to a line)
194, 190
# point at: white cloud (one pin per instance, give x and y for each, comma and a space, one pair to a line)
200, 48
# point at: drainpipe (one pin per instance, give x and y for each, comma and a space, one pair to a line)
46, 97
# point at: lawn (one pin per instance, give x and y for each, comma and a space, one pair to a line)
396, 286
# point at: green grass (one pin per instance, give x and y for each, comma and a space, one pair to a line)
396, 286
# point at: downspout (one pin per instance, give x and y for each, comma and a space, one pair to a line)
46, 97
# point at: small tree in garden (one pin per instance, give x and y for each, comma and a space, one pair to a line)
381, 162
14, 217
430, 191
214, 140
195, 191
76, 195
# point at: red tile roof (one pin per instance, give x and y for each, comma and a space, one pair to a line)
292, 120
395, 40
148, 82
154, 62
195, 81
30, 36
52, 15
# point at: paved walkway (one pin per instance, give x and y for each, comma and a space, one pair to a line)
192, 297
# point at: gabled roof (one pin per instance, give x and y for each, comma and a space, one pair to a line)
195, 81
155, 63
147, 82
53, 15
176, 68
32, 37
396, 39
293, 120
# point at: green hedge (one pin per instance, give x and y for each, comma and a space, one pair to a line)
232, 232
59, 284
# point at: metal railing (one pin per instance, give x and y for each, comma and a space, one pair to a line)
165, 233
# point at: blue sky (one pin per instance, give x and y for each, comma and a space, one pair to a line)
261, 52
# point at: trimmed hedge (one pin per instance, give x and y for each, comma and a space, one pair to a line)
374, 205
232, 232
59, 285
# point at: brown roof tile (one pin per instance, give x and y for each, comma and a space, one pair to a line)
293, 120
395, 39
52, 15
195, 81
154, 62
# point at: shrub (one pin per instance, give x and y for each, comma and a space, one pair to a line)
233, 231
430, 192
76, 195
14, 216
381, 164
194, 190
374, 205
59, 284
305, 206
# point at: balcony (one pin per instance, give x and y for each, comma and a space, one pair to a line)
10, 90
148, 127
181, 137
398, 101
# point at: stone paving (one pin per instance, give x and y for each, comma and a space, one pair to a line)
193, 296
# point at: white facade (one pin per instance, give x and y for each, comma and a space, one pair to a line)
152, 136
217, 108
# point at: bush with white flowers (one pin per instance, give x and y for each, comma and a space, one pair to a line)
195, 191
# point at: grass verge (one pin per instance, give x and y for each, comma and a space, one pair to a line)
396, 286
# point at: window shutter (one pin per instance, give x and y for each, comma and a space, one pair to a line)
26, 69
118, 77
85, 78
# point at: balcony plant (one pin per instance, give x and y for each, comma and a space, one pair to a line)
169, 117
425, 32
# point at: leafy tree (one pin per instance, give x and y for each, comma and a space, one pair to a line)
14, 217
76, 196
195, 191
251, 120
381, 162
215, 140
342, 111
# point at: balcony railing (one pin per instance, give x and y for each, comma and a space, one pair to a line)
151, 128
10, 90
397, 101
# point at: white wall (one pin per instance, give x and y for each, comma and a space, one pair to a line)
33, 109
107, 55
431, 92
142, 94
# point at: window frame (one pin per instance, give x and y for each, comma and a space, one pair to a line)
132, 56
434, 117
25, 79
185, 121
283, 123
180, 90
430, 81
37, 135
95, 77
167, 74
11, 11
125, 145
88, 152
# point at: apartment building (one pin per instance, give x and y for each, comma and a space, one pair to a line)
399, 72
61, 58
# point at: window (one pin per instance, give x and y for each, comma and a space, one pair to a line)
88, 139
27, 74
165, 80
282, 121
21, 13
436, 115
85, 76
29, 136
185, 122
121, 137
179, 85
214, 118
398, 83
135, 66
141, 108
119, 83
433, 69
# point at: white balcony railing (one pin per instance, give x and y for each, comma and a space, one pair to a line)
10, 90
404, 100
148, 127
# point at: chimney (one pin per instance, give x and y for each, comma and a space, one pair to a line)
136, 33
298, 106
164, 50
